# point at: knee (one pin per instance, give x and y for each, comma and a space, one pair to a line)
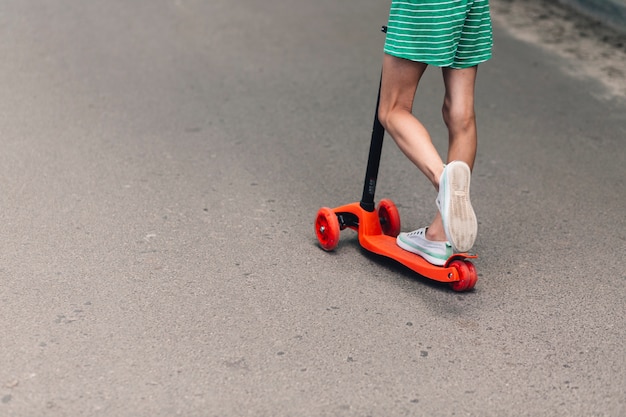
383, 115
458, 117
387, 113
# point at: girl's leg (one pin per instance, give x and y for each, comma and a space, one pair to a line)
400, 79
460, 118
458, 113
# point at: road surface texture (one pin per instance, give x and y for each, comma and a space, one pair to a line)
161, 165
609, 12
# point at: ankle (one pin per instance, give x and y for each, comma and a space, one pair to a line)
435, 176
434, 235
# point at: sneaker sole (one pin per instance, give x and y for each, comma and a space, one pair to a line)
460, 222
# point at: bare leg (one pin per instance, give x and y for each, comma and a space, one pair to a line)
459, 116
399, 83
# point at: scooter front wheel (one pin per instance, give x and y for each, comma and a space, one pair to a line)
327, 228
389, 218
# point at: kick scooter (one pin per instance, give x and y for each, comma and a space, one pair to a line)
378, 227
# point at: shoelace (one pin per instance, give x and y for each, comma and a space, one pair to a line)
416, 233
420, 232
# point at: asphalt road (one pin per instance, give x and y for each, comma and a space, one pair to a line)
161, 165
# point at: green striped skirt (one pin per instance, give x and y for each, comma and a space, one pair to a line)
443, 33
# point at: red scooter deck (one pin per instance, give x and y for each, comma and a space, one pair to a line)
386, 246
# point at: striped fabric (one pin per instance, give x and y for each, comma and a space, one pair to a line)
443, 33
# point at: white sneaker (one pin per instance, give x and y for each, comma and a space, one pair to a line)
437, 253
459, 219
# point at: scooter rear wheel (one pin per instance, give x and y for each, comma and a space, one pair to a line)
465, 279
327, 228
473, 275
